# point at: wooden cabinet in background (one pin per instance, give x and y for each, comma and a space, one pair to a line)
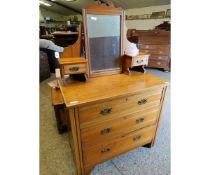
156, 43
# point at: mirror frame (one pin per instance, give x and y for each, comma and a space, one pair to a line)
103, 9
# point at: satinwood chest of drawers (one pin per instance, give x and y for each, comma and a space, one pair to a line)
112, 115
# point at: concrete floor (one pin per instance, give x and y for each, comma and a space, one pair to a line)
56, 156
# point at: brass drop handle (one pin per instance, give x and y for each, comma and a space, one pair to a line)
105, 150
139, 120
142, 101
136, 138
106, 111
106, 130
74, 69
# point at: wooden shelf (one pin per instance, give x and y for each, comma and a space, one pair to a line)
146, 19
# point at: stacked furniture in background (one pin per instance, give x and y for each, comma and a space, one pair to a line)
153, 42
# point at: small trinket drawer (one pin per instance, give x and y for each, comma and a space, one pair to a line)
140, 60
71, 66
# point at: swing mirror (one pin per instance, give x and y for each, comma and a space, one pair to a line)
103, 27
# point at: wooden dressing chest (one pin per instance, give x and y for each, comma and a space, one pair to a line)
111, 115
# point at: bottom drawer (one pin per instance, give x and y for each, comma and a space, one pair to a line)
158, 64
120, 145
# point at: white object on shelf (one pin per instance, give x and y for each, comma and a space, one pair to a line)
130, 49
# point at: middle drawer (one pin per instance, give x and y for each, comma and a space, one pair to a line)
107, 131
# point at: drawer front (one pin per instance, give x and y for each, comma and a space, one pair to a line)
158, 64
140, 60
162, 40
107, 131
156, 52
159, 58
154, 47
75, 68
98, 113
122, 144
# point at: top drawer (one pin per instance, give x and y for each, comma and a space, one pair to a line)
116, 108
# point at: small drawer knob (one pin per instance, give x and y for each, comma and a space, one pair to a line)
106, 130
159, 63
106, 111
137, 138
139, 120
142, 101
74, 69
105, 150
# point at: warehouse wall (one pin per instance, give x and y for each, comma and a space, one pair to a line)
145, 24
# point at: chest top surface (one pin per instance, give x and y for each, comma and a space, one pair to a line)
108, 87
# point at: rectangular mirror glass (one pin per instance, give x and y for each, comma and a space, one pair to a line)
104, 42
